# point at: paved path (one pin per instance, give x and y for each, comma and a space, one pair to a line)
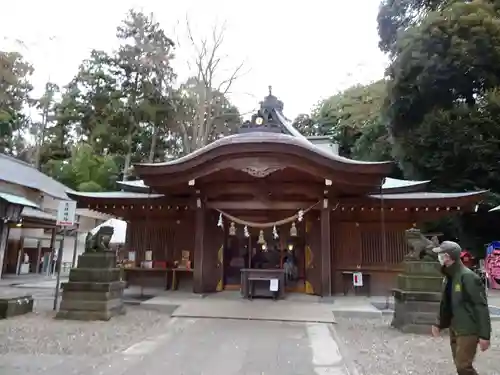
231, 347
204, 347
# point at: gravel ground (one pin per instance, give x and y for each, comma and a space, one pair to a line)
378, 349
39, 333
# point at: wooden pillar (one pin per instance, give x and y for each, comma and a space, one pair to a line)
198, 276
38, 255
20, 258
4, 236
326, 250
75, 249
52, 250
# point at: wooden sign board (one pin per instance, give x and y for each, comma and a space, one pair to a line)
357, 279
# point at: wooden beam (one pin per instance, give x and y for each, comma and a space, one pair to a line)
261, 187
258, 205
4, 235
466, 202
131, 203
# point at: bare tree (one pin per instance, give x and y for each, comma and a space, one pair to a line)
208, 89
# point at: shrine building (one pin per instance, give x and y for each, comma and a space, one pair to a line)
265, 197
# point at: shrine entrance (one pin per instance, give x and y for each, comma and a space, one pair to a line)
266, 248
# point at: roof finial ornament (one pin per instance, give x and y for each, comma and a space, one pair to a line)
270, 90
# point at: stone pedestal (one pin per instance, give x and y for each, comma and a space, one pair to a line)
94, 290
12, 304
417, 297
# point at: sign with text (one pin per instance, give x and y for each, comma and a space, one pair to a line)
357, 279
66, 213
273, 285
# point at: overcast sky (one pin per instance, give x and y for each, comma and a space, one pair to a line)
305, 50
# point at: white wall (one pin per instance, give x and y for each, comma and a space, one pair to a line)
31, 237
87, 220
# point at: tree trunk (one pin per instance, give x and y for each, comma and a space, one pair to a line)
152, 150
128, 157
131, 127
41, 138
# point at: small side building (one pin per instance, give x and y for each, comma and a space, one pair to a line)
34, 233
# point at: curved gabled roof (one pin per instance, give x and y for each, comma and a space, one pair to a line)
264, 143
270, 134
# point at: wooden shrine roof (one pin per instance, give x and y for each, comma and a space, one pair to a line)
390, 185
432, 199
409, 200
259, 143
273, 153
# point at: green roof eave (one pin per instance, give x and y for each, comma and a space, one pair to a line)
16, 199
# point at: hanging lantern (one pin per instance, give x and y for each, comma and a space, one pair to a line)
275, 233
293, 230
261, 239
219, 223
300, 215
245, 232
232, 229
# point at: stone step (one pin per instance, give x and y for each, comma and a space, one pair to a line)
83, 305
419, 296
102, 260
422, 268
87, 286
94, 275
420, 283
91, 295
422, 318
89, 315
419, 306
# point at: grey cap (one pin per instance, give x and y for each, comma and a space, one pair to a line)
449, 247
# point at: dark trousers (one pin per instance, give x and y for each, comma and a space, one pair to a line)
463, 350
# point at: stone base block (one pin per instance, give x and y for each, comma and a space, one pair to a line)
415, 312
418, 267
94, 290
419, 283
105, 260
15, 305
407, 296
87, 286
82, 305
71, 295
98, 275
91, 304
90, 315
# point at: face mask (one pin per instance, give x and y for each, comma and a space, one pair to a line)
441, 258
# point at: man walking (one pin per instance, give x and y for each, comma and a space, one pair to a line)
464, 309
